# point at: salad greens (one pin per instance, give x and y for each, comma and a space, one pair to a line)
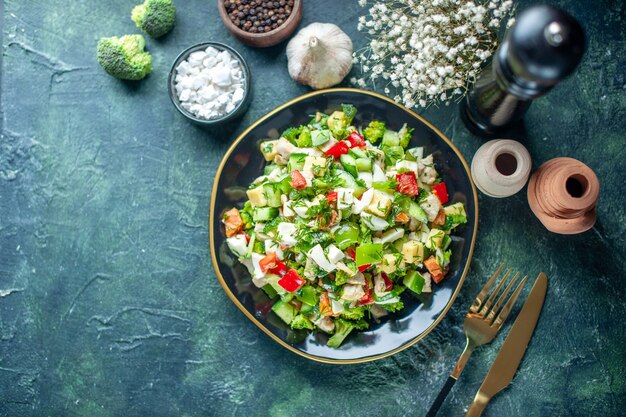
336, 228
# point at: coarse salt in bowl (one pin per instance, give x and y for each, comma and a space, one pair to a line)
209, 83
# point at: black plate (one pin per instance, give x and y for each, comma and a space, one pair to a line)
244, 162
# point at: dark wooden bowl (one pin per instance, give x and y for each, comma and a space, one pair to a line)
263, 40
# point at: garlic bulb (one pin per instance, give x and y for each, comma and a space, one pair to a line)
320, 55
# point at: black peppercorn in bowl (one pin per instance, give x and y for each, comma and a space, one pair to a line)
260, 23
237, 110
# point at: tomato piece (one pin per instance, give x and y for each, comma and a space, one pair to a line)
338, 149
407, 184
441, 191
388, 283
297, 180
331, 197
291, 281
268, 262
356, 140
233, 222
434, 268
440, 220
402, 217
280, 269
325, 308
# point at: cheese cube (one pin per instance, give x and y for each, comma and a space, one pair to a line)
268, 148
380, 204
413, 252
257, 197
315, 165
434, 238
388, 265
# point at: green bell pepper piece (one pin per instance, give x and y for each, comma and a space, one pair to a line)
369, 253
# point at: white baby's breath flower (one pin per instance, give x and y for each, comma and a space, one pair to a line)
428, 50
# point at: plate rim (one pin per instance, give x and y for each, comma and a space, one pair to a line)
260, 325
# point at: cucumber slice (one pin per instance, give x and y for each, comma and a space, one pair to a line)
364, 165
268, 169
414, 281
296, 161
391, 138
393, 154
347, 181
357, 153
349, 164
414, 210
285, 311
272, 194
264, 214
320, 137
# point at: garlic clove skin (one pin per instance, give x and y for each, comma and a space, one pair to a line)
319, 55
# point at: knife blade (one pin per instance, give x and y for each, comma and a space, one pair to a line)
512, 351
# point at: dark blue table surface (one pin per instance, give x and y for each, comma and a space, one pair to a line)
109, 304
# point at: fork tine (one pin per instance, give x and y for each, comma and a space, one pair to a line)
509, 305
492, 297
496, 307
478, 301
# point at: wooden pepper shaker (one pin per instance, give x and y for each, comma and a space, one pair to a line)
563, 194
500, 167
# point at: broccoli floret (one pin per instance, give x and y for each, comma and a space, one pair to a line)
405, 133
343, 329
341, 277
301, 322
124, 57
292, 134
349, 110
374, 131
155, 17
248, 223
304, 138
337, 123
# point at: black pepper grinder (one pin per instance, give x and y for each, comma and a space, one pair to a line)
544, 46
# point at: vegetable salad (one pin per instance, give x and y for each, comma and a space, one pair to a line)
342, 221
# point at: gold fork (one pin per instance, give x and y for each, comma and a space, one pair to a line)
482, 322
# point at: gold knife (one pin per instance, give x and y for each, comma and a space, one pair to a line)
512, 351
